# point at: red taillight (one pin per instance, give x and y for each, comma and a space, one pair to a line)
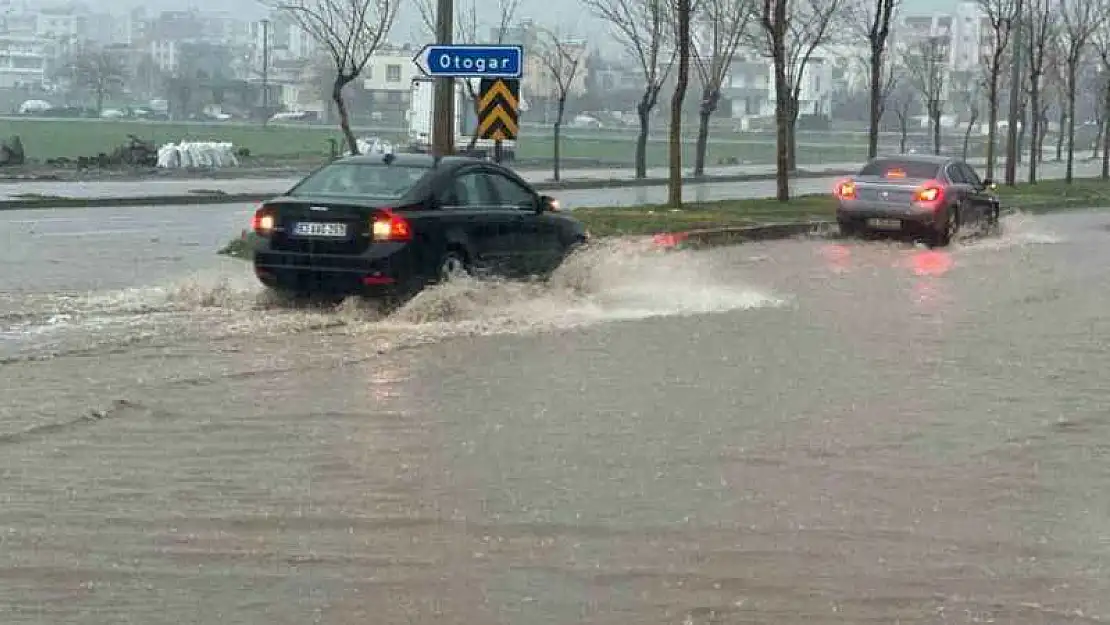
845, 190
389, 226
929, 192
263, 221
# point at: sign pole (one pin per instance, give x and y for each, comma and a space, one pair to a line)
443, 124
498, 153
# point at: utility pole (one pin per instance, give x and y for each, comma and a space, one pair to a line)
1015, 95
443, 125
265, 71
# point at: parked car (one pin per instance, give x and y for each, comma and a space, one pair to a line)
389, 225
935, 196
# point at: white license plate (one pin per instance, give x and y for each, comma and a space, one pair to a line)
316, 229
885, 224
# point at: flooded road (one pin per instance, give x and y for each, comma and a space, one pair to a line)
791, 432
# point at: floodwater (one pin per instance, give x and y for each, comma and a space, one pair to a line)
808, 431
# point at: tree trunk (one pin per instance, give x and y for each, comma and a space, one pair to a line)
904, 127
1069, 171
1106, 133
935, 113
99, 101
792, 133
1060, 134
678, 98
992, 119
560, 109
643, 109
876, 101
1035, 140
344, 116
782, 126
709, 102
1023, 111
967, 133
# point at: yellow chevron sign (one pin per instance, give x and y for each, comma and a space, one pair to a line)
498, 103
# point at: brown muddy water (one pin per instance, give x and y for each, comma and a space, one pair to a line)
805, 431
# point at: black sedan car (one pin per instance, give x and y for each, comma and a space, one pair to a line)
388, 225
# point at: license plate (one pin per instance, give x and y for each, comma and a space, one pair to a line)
317, 229
885, 224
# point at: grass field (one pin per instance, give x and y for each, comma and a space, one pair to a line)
1047, 196
45, 139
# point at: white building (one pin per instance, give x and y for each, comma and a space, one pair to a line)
750, 84
390, 69
23, 61
963, 29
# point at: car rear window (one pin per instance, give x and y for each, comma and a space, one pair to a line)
895, 169
373, 180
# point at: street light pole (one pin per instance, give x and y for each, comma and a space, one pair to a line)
1015, 96
443, 125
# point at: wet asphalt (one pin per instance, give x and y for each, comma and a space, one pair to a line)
809, 431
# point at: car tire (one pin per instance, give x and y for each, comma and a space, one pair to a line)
850, 229
453, 266
947, 231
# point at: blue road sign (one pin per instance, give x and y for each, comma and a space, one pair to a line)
471, 61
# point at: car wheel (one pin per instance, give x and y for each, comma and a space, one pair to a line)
850, 229
949, 229
453, 266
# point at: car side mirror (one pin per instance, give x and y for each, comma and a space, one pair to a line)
548, 204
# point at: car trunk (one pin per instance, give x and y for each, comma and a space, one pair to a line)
311, 225
878, 189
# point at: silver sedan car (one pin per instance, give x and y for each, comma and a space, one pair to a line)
934, 196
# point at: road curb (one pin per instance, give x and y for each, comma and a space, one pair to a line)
46, 202
733, 235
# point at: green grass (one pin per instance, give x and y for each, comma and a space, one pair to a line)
46, 139
1047, 196
43, 139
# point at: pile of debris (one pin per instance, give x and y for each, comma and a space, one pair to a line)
134, 153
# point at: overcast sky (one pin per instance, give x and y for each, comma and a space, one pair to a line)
408, 27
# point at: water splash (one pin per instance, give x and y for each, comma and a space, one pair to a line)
609, 282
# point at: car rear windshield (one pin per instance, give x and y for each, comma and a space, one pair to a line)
895, 169
373, 180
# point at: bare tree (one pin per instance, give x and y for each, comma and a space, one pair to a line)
791, 32
723, 26
901, 100
1039, 29
645, 29
968, 94
101, 72
1081, 20
1001, 16
563, 61
927, 66
874, 19
468, 29
350, 31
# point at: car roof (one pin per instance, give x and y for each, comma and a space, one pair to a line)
930, 159
404, 159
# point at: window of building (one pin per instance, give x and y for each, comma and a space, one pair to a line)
393, 73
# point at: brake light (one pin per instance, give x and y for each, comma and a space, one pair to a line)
895, 173
263, 221
845, 190
929, 192
389, 226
